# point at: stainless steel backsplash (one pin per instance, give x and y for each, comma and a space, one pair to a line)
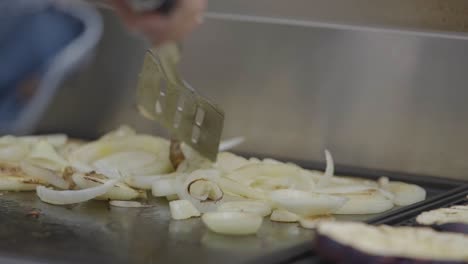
375, 99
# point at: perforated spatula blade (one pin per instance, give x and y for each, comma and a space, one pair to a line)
163, 96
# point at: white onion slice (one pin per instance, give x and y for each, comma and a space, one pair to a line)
350, 189
71, 197
271, 161
305, 203
228, 162
44, 155
232, 223
314, 221
45, 175
255, 207
329, 171
271, 176
343, 189
460, 207
369, 202
172, 197
208, 197
443, 216
14, 183
83, 158
231, 143
128, 204
406, 194
164, 187
130, 162
235, 188
121, 132
146, 182
13, 152
120, 191
281, 215
56, 140
183, 209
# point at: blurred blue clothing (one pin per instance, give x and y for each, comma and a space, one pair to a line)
32, 34
28, 41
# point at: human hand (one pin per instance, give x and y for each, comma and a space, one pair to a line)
160, 28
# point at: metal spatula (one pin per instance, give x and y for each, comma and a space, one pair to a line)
165, 97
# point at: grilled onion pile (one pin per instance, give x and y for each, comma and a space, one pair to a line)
232, 196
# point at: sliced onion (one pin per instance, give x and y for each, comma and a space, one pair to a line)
357, 189
232, 223
444, 216
211, 194
130, 162
183, 209
16, 184
406, 194
205, 190
343, 189
271, 161
84, 158
254, 160
172, 197
146, 182
228, 162
56, 140
235, 188
44, 155
314, 221
335, 181
271, 176
369, 202
460, 207
252, 172
383, 182
121, 132
255, 207
189, 166
70, 147
128, 204
231, 143
281, 215
13, 152
119, 191
44, 175
307, 204
329, 171
71, 197
164, 187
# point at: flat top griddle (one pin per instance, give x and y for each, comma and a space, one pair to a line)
93, 232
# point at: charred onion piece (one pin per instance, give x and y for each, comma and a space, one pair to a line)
175, 153
360, 243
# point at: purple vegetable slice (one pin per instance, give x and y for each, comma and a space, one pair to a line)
453, 219
348, 242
